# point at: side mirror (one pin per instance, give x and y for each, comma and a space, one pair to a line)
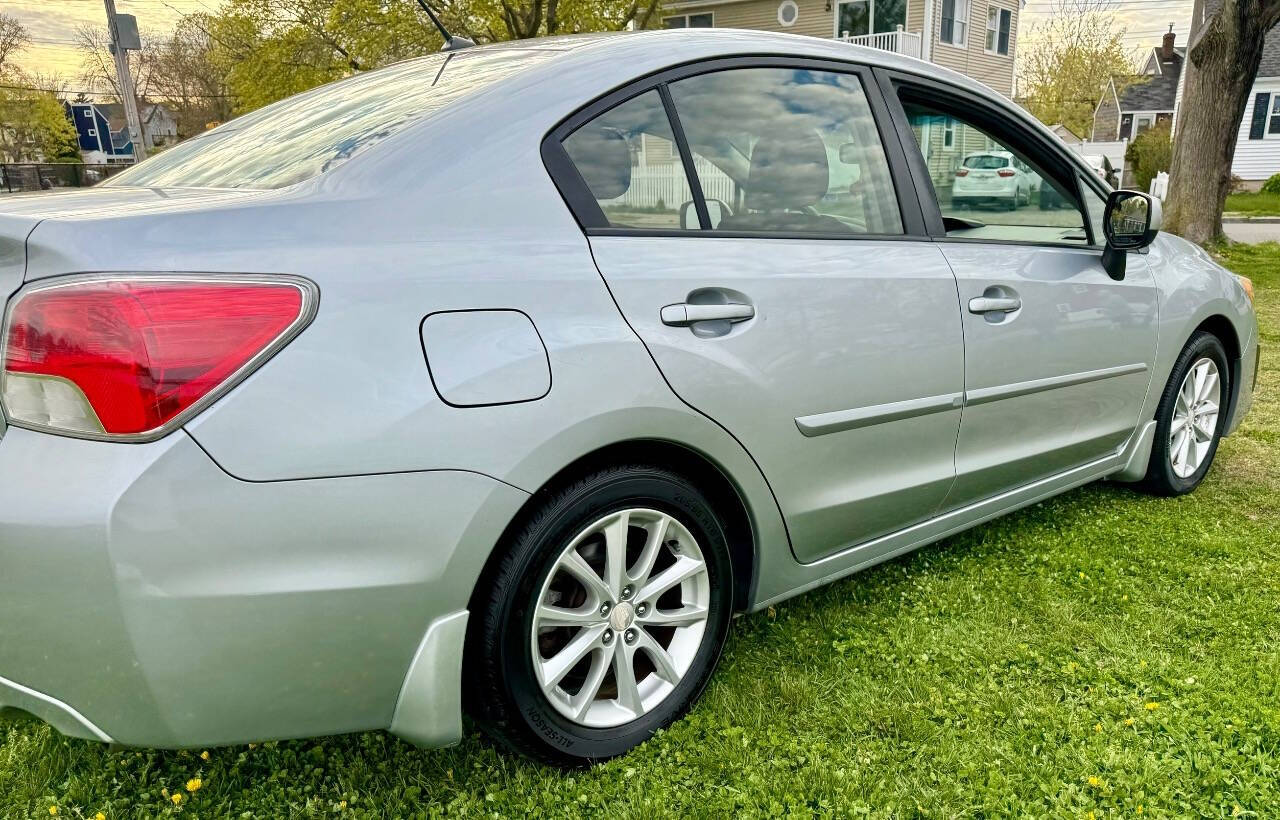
1131, 222
716, 211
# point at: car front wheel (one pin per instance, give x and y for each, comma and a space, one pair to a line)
1191, 418
604, 619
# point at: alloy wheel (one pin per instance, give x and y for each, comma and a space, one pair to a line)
620, 617
1195, 418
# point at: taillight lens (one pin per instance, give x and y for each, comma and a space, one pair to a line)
963, 172
1006, 172
131, 357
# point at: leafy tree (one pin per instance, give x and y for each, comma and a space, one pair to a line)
36, 127
1222, 63
187, 78
1066, 62
1150, 153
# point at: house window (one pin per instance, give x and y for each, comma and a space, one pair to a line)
1143, 122
1273, 127
999, 22
949, 133
955, 21
788, 13
704, 20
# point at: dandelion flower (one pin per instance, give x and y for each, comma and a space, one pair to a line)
1128, 721
1152, 706
1097, 727
53, 809
194, 784
204, 755
99, 816
177, 798
1094, 781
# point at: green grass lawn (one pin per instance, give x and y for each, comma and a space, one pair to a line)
1103, 654
1254, 204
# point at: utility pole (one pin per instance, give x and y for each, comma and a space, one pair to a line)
127, 95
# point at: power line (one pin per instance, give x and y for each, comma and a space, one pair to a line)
88, 92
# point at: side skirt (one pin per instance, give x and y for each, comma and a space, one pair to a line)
890, 546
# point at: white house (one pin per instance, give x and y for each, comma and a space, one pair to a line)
1257, 156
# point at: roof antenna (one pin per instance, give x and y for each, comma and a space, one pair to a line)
451, 43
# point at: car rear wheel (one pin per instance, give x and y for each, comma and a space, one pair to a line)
603, 620
1191, 418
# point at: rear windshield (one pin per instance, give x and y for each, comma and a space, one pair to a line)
986, 162
304, 136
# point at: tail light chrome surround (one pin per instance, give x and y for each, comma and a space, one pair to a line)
308, 305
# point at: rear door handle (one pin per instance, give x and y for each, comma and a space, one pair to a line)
988, 304
683, 315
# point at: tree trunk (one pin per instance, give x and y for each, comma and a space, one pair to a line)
1221, 67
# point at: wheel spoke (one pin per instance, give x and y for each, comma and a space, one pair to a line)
663, 664
615, 552
1184, 452
574, 564
549, 616
682, 569
555, 668
1200, 375
591, 686
624, 672
684, 616
652, 546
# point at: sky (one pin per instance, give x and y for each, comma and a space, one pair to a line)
53, 23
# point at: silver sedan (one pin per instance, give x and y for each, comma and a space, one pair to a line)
500, 379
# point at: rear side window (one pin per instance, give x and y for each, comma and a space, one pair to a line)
787, 150
628, 158
304, 136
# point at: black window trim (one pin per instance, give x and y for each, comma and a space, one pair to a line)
591, 219
1065, 170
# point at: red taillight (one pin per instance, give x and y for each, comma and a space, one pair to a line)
125, 357
963, 172
1006, 172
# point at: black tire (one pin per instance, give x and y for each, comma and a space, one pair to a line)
501, 691
1161, 478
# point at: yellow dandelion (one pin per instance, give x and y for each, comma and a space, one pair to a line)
1091, 816
194, 784
1152, 706
99, 816
1128, 721
204, 755
53, 809
253, 745
177, 798
342, 805
1094, 781
1139, 808
1097, 727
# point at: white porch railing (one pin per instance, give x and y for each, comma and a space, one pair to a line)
899, 42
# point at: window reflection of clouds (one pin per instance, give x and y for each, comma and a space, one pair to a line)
303, 136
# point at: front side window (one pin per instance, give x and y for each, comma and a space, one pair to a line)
787, 150
986, 189
704, 20
999, 21
628, 158
955, 17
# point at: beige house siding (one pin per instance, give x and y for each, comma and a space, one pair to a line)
813, 20
1106, 120
996, 70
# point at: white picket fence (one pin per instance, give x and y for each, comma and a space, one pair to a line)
666, 185
1159, 187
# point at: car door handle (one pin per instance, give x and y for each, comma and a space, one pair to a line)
683, 315
988, 304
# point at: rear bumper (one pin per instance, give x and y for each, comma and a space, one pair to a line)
151, 599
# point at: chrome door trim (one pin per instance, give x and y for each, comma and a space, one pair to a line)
821, 424
987, 395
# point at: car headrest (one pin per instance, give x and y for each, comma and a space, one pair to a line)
788, 170
603, 157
